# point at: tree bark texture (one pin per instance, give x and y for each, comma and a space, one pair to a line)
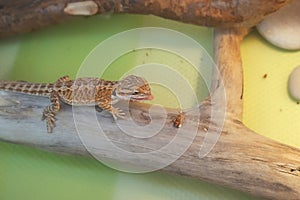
27, 15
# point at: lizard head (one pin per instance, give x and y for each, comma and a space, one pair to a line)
133, 88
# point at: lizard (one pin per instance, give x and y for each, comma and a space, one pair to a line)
83, 91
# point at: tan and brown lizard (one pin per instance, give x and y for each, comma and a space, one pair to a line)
83, 91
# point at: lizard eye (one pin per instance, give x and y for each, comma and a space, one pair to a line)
135, 93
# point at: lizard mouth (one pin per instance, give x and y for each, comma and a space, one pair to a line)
141, 98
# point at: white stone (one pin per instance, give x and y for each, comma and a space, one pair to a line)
84, 8
294, 83
282, 28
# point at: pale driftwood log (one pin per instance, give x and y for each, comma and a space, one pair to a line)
27, 15
241, 158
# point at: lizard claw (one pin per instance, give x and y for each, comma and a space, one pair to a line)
50, 122
118, 113
50, 126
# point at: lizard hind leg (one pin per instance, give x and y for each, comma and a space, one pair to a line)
50, 111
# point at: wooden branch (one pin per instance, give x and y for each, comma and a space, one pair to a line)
241, 159
27, 15
227, 57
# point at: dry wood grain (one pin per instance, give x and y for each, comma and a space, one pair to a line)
241, 159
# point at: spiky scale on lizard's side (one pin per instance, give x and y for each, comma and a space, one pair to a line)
83, 91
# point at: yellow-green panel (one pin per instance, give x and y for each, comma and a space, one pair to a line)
268, 108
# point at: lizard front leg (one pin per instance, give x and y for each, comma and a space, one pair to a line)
50, 111
106, 104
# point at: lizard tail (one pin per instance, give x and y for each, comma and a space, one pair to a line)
40, 89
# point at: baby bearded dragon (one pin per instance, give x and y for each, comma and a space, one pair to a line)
83, 91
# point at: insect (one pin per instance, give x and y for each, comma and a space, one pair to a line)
265, 75
177, 122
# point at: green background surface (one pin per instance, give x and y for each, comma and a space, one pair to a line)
45, 55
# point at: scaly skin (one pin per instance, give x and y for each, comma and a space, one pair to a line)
83, 91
